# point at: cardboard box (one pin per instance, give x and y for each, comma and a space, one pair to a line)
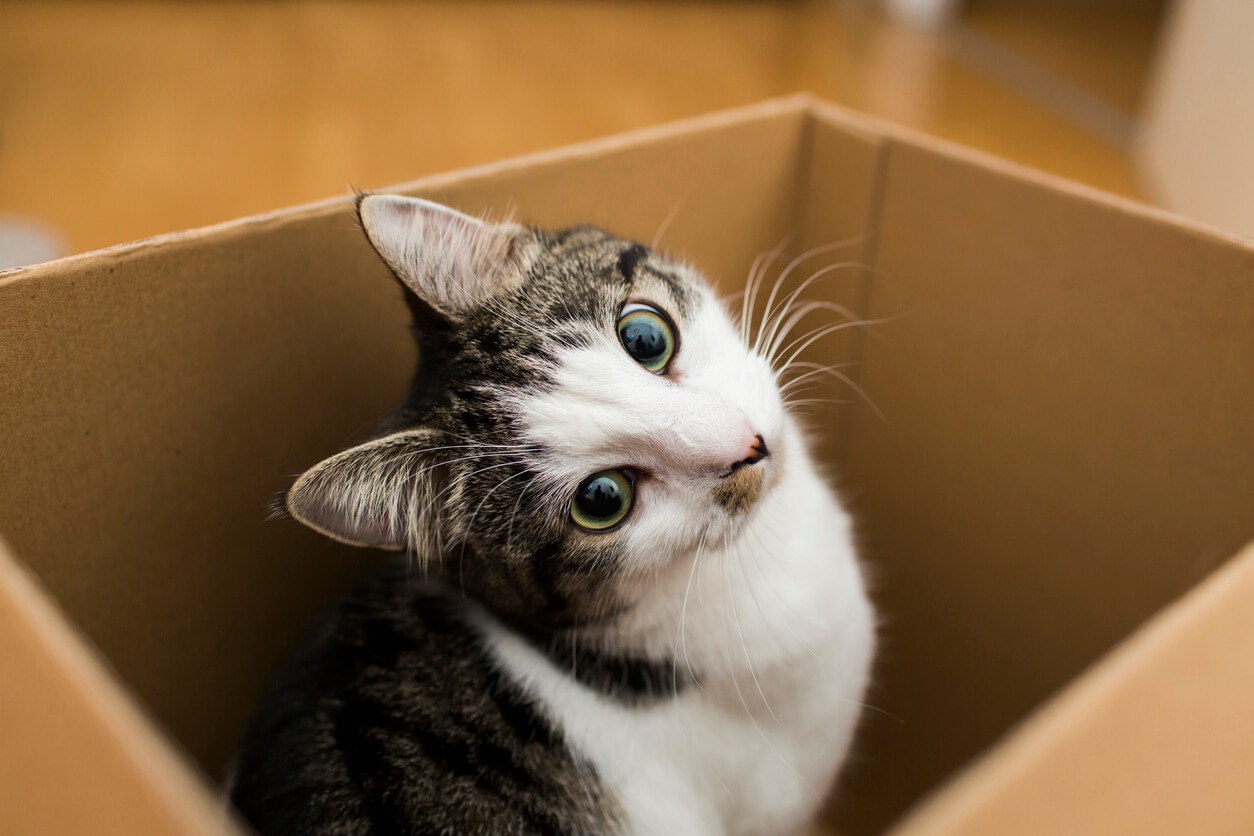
1068, 453
1197, 125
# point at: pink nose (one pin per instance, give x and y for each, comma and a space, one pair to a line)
754, 453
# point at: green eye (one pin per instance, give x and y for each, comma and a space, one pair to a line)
647, 336
603, 500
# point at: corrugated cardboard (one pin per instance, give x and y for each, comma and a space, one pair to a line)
1066, 383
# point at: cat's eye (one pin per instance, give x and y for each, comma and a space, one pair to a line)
647, 336
603, 500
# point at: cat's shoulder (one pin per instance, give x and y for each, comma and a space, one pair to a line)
395, 707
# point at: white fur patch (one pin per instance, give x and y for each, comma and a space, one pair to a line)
770, 611
779, 628
684, 430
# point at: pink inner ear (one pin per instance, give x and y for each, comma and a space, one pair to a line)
450, 260
334, 522
365, 496
328, 509
403, 209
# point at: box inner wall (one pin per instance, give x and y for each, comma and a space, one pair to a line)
1067, 387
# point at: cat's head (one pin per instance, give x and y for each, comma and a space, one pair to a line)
584, 412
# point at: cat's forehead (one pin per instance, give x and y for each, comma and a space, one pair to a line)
583, 272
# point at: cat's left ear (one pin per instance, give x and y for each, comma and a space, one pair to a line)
451, 261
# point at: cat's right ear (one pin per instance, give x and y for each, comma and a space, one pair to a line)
451, 261
380, 494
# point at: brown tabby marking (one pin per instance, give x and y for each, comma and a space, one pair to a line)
740, 490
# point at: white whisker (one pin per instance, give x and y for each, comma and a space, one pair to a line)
787, 271
794, 350
731, 597
783, 328
815, 370
666, 222
756, 273
683, 612
461, 555
731, 669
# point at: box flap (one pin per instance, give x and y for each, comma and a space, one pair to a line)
1154, 740
78, 757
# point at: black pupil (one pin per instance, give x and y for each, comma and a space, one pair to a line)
600, 497
644, 338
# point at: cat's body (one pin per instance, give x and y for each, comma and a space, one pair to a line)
693, 665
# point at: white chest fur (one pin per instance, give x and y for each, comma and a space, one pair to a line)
780, 631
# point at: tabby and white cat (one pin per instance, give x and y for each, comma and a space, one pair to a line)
629, 602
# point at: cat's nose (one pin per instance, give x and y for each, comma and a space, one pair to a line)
755, 453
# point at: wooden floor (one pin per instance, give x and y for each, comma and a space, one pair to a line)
122, 120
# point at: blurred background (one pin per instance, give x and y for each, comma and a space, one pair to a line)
128, 119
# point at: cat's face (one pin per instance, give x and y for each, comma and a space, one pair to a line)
584, 413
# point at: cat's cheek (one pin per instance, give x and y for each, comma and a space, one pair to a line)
654, 537
691, 516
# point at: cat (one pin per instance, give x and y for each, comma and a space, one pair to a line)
626, 601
